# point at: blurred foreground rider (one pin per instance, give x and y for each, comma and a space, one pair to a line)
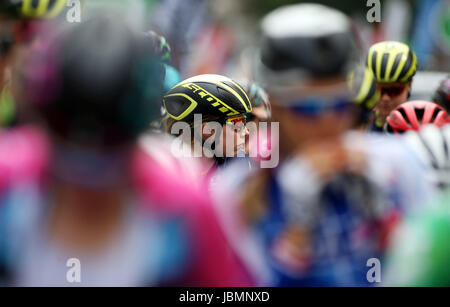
334, 198
420, 252
79, 187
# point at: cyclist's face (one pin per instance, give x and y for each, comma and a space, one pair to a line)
233, 137
392, 96
297, 129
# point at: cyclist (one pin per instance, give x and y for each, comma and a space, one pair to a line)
332, 201
220, 104
442, 94
365, 93
412, 115
7, 108
19, 21
394, 65
171, 74
261, 109
419, 255
431, 144
81, 188
32, 9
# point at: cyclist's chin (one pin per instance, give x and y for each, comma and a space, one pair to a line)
386, 107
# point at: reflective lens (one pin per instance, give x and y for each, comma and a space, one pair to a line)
317, 106
237, 122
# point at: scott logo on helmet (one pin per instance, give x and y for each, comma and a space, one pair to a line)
215, 102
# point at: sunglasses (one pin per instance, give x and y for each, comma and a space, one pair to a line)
318, 106
392, 90
237, 123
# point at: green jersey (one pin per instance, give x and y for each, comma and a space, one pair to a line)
420, 254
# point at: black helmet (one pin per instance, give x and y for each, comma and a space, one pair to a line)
304, 41
99, 83
442, 94
161, 47
213, 95
258, 97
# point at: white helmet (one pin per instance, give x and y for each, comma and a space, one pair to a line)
432, 145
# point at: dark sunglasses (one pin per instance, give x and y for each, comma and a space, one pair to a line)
237, 123
391, 91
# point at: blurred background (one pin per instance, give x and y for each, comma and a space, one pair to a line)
215, 36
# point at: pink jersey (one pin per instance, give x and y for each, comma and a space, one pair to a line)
170, 188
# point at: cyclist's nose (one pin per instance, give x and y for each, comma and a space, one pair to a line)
385, 97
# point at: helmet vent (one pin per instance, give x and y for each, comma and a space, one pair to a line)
419, 114
435, 114
403, 112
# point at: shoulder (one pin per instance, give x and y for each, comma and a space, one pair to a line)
24, 155
394, 167
389, 150
163, 177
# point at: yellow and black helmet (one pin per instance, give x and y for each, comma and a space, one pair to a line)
209, 94
392, 62
363, 87
32, 9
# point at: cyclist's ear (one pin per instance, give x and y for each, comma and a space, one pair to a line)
409, 88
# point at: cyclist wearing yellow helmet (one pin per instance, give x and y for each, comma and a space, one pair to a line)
365, 93
32, 8
222, 103
19, 20
394, 65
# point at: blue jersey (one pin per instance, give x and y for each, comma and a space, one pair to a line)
151, 250
314, 233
